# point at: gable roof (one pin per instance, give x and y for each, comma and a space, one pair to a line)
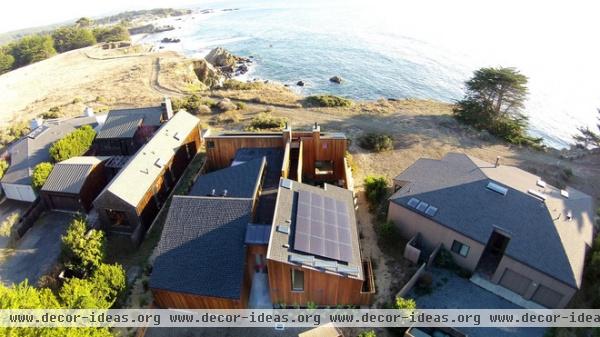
274, 158
201, 249
541, 235
240, 181
34, 148
133, 181
69, 176
123, 123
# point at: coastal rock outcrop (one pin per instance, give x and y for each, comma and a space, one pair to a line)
300, 83
229, 64
207, 74
336, 79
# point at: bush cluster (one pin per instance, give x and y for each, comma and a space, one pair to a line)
266, 121
40, 174
376, 189
376, 142
3, 167
328, 101
74, 144
193, 104
239, 85
82, 251
12, 132
111, 33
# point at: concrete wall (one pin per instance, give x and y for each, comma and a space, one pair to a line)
433, 234
537, 279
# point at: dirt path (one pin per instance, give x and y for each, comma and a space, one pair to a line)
155, 83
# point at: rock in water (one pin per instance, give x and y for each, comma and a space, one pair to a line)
300, 83
336, 79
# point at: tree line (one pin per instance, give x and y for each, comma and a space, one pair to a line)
34, 48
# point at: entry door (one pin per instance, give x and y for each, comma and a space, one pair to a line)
261, 263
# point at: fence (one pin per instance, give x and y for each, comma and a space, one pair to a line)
411, 283
29, 217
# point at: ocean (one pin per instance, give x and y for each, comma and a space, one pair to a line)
401, 49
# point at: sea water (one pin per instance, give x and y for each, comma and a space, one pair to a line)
412, 49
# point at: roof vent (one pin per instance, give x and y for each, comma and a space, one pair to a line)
564, 193
497, 188
213, 192
569, 215
283, 229
159, 163
224, 193
176, 136
541, 183
537, 194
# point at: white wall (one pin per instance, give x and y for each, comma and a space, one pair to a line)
19, 192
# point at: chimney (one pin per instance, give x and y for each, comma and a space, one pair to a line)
497, 161
167, 109
88, 112
35, 123
316, 126
224, 193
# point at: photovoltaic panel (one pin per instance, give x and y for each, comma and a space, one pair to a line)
323, 227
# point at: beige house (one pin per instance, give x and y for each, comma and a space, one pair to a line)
503, 223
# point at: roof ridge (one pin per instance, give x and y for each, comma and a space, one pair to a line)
209, 197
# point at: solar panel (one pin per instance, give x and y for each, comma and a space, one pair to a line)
323, 227
413, 202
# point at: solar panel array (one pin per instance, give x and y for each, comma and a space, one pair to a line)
323, 227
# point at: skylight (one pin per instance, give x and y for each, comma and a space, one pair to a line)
422, 206
431, 210
564, 193
541, 183
497, 188
413, 202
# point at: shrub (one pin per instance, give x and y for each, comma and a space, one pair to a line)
376, 189
367, 334
53, 112
239, 85
7, 226
74, 144
3, 167
98, 292
376, 142
240, 105
329, 101
266, 121
82, 253
69, 38
40, 174
76, 100
193, 104
31, 49
111, 34
13, 132
6, 61
405, 303
110, 281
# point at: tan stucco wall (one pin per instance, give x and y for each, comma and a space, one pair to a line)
432, 234
537, 279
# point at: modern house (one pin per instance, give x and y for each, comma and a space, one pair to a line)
126, 130
314, 253
74, 183
33, 149
310, 156
233, 236
129, 204
506, 225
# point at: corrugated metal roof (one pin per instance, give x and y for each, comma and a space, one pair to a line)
123, 123
70, 175
138, 175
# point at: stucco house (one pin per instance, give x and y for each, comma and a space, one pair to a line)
502, 223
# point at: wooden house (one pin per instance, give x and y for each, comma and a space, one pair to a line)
131, 201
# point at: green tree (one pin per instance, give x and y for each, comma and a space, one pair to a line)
82, 251
69, 38
111, 34
3, 167
40, 174
494, 101
405, 303
74, 144
376, 188
84, 22
6, 61
367, 334
31, 49
376, 142
98, 292
110, 281
588, 138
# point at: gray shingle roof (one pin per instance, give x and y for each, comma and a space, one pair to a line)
274, 162
240, 181
123, 123
201, 250
32, 150
69, 176
456, 185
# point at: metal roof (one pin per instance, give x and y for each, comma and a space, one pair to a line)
123, 123
69, 176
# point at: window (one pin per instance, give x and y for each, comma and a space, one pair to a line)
460, 248
323, 167
210, 144
297, 280
118, 218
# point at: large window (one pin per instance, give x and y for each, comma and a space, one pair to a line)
118, 218
297, 280
460, 248
323, 167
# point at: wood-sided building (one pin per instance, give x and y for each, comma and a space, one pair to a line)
74, 183
311, 156
129, 204
126, 130
314, 253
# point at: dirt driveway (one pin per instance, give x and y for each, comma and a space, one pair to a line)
36, 252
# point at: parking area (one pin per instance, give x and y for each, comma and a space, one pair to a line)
36, 252
449, 291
